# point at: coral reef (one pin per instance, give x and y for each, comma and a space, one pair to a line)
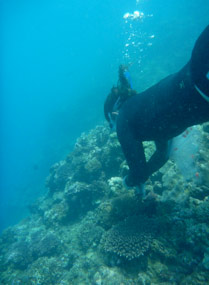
88, 229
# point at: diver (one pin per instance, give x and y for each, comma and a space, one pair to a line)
159, 113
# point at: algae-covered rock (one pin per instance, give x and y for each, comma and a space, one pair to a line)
118, 208
46, 244
57, 214
205, 261
89, 235
109, 276
19, 255
59, 175
161, 249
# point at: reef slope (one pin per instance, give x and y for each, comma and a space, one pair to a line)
88, 229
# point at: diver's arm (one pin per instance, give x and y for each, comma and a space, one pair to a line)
135, 157
160, 156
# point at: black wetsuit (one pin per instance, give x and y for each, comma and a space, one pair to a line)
163, 112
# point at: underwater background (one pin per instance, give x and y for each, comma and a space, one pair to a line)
65, 217
59, 61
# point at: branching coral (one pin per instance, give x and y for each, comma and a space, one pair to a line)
130, 238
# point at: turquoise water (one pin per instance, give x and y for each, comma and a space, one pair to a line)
59, 60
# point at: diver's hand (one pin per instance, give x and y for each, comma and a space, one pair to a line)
127, 183
139, 189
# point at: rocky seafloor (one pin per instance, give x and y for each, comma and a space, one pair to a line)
89, 229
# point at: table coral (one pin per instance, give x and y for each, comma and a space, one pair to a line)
130, 238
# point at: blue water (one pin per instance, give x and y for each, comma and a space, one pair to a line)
59, 60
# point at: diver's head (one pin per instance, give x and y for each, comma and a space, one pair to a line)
118, 95
124, 78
